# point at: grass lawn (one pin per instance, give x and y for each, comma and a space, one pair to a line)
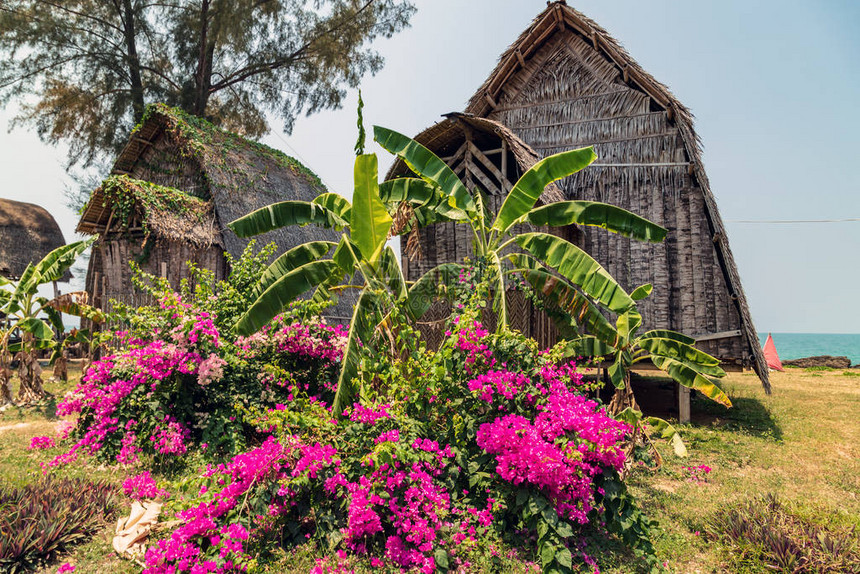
800, 444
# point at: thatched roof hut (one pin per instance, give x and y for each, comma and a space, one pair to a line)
27, 234
566, 83
174, 188
488, 156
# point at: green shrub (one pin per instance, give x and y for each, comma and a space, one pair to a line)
47, 517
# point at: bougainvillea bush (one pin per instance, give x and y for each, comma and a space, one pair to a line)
486, 441
179, 380
487, 449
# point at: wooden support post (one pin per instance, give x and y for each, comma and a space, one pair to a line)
164, 269
683, 404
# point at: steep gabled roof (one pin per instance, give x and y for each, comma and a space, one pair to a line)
27, 234
235, 174
560, 18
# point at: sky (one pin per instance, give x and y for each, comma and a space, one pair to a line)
774, 86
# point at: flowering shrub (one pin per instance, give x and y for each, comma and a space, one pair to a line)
697, 474
494, 439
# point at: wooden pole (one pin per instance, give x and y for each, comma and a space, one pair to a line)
683, 404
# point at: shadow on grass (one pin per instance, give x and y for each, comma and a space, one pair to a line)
657, 396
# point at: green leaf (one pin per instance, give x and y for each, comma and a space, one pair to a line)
441, 558
392, 274
426, 199
686, 376
52, 267
588, 346
427, 166
564, 558
360, 331
284, 214
578, 267
500, 306
641, 292
423, 292
687, 354
555, 290
666, 430
36, 327
282, 292
295, 257
336, 203
618, 372
629, 416
530, 186
370, 220
664, 334
597, 214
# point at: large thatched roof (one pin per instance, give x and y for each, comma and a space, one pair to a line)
565, 83
27, 234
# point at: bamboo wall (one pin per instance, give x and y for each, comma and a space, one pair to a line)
568, 95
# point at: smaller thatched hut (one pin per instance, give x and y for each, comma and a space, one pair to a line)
486, 156
27, 234
174, 188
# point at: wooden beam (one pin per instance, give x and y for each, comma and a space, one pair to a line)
491, 188
485, 161
505, 183
457, 154
489, 99
520, 58
716, 336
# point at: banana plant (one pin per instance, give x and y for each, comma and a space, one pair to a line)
361, 250
34, 317
437, 194
674, 353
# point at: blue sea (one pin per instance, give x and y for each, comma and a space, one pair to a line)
799, 345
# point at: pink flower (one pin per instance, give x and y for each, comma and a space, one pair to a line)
67, 567
41, 442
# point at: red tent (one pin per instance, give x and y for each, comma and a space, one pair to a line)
770, 355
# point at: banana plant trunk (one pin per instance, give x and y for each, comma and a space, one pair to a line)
5, 379
30, 373
623, 398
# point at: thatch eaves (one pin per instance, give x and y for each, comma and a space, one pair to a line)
560, 18
124, 204
27, 234
446, 137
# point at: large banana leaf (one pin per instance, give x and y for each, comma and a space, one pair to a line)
427, 200
295, 257
500, 303
664, 334
588, 346
282, 292
427, 166
370, 220
50, 268
364, 319
684, 353
423, 292
688, 377
283, 214
392, 274
597, 214
565, 296
668, 431
530, 186
577, 267
36, 327
336, 203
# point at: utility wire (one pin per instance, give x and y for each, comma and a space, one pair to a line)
780, 221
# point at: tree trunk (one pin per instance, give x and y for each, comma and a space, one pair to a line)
137, 99
61, 368
206, 52
5, 379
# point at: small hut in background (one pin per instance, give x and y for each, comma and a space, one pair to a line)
565, 83
27, 233
489, 157
174, 188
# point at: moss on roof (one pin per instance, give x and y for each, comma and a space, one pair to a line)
206, 140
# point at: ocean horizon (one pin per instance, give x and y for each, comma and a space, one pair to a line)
799, 345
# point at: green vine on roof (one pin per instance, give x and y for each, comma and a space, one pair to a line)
123, 195
203, 140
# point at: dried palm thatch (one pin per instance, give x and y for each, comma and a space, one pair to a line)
566, 83
179, 181
27, 234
